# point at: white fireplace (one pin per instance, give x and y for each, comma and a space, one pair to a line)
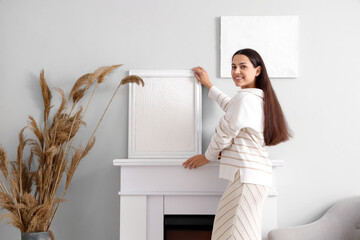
152, 188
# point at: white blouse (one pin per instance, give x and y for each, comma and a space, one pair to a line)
239, 136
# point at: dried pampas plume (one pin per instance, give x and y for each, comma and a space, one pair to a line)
132, 79
50, 155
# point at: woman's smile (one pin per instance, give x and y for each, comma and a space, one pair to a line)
239, 78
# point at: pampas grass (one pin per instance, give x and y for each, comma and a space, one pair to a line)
28, 186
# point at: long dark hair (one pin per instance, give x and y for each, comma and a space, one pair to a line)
275, 125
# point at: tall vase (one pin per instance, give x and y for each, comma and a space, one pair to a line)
35, 236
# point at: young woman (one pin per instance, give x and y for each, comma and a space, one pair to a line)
253, 119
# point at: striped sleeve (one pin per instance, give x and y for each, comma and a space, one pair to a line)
221, 98
237, 117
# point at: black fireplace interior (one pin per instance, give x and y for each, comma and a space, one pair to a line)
188, 227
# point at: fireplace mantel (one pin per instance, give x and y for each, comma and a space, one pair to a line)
151, 188
169, 162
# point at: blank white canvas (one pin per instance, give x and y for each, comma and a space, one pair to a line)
275, 38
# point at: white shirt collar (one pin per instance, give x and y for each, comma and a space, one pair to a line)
257, 91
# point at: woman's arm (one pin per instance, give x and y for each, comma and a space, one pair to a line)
225, 132
221, 98
237, 117
214, 93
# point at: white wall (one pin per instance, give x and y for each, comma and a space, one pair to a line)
70, 38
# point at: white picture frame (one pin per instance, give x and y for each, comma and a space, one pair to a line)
165, 116
275, 38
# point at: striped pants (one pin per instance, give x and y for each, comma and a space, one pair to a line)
238, 215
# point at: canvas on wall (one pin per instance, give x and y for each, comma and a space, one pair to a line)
274, 37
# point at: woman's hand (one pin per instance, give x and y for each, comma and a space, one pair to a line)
202, 76
195, 161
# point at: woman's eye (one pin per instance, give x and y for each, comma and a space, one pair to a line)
243, 67
233, 67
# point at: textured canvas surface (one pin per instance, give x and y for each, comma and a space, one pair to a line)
165, 115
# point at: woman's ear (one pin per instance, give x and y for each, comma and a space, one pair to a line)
258, 70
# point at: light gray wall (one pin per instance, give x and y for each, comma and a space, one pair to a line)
70, 38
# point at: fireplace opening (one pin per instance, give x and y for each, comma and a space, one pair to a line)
188, 227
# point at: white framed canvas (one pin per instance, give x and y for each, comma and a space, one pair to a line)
165, 115
275, 38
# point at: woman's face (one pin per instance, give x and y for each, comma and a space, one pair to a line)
243, 72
